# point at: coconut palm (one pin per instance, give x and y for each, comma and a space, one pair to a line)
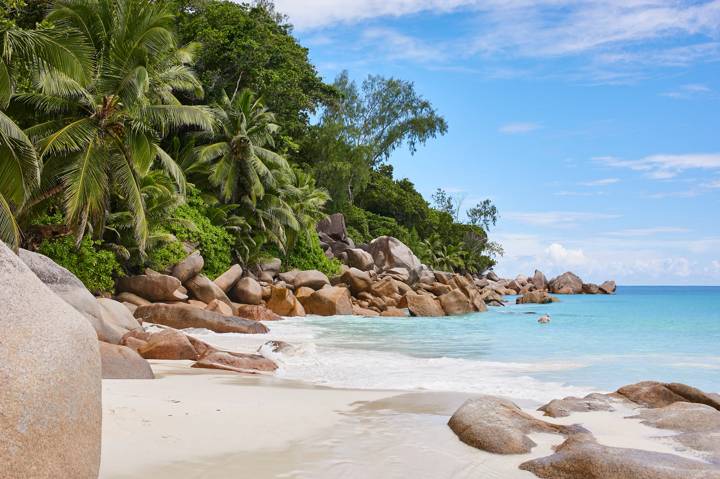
104, 132
19, 163
243, 165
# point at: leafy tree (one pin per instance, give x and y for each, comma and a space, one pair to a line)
104, 128
252, 47
483, 214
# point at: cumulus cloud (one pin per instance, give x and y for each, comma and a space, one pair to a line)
520, 127
601, 182
636, 232
665, 166
692, 90
558, 255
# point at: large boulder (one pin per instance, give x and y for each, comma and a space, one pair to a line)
115, 321
565, 407
168, 344
228, 279
566, 283
182, 316
455, 303
255, 312
247, 291
334, 227
539, 280
63, 283
608, 287
237, 362
283, 302
590, 288
330, 301
122, 362
360, 259
189, 267
389, 252
311, 279
153, 287
270, 267
423, 305
499, 426
357, 280
536, 297
654, 394
581, 457
205, 290
50, 413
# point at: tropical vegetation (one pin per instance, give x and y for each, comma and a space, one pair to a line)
133, 131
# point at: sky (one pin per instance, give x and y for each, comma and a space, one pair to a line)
593, 126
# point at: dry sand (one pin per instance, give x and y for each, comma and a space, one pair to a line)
200, 424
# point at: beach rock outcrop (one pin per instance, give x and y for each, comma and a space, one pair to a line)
168, 344
499, 426
122, 362
329, 301
282, 301
360, 259
608, 287
334, 227
423, 305
539, 281
313, 279
50, 411
357, 280
189, 267
536, 297
228, 279
565, 407
116, 321
255, 312
205, 290
566, 283
153, 287
655, 394
455, 303
237, 362
389, 252
182, 316
581, 457
247, 291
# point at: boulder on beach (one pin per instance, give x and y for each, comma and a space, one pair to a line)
189, 267
237, 362
357, 280
228, 279
581, 457
247, 291
153, 287
219, 307
389, 252
330, 301
499, 426
205, 290
311, 279
122, 362
565, 407
655, 394
360, 259
455, 303
282, 301
132, 299
168, 344
50, 411
116, 320
255, 312
566, 283
182, 316
422, 305
539, 280
590, 288
334, 227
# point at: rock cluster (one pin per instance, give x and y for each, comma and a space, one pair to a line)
499, 426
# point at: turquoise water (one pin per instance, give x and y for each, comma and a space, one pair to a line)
596, 342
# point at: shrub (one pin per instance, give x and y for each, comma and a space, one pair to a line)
307, 254
214, 242
162, 257
96, 268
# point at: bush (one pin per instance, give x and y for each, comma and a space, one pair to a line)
214, 242
161, 258
307, 254
96, 268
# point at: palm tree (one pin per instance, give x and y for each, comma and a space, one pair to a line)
243, 166
104, 132
19, 164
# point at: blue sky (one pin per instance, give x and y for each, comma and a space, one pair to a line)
593, 126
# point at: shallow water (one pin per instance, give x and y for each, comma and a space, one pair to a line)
592, 343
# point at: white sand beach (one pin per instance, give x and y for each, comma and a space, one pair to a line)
192, 424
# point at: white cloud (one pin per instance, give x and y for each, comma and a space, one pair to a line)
556, 218
712, 184
601, 182
516, 128
688, 91
637, 232
397, 46
558, 255
665, 166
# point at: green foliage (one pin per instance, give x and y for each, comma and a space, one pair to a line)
307, 254
214, 242
95, 267
164, 256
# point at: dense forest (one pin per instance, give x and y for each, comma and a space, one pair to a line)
130, 129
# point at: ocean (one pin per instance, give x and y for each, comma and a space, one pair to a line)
593, 343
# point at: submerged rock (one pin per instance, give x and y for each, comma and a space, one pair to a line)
536, 297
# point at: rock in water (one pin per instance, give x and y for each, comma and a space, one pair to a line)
181, 316
537, 297
422, 305
544, 319
455, 303
539, 280
566, 283
50, 414
608, 287
238, 362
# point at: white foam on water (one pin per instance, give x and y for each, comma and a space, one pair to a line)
318, 363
